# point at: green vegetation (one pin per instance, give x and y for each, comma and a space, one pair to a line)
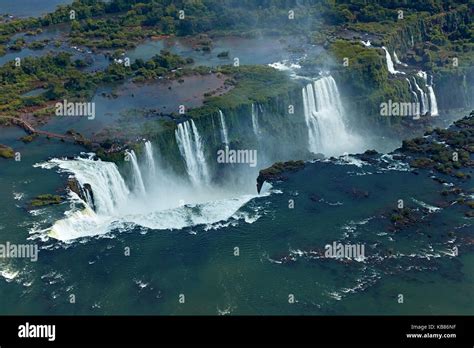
450, 152
277, 171
60, 77
28, 138
367, 70
6, 152
62, 80
250, 84
405, 217
440, 31
46, 199
223, 54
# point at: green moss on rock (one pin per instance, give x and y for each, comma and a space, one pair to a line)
6, 152
46, 199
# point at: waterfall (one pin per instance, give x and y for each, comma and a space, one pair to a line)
224, 133
413, 93
150, 161
395, 57
191, 149
324, 116
116, 209
433, 103
423, 98
255, 126
390, 67
137, 174
432, 97
108, 186
309, 106
423, 75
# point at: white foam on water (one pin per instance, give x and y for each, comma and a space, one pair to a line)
394, 164
289, 67
430, 208
118, 208
9, 274
349, 160
18, 195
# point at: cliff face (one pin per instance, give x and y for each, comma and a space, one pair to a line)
422, 44
453, 84
456, 88
277, 172
279, 120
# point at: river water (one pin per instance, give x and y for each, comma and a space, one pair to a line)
243, 257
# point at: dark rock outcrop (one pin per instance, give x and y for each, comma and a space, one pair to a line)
84, 192
277, 171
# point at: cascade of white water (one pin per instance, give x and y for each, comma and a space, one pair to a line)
412, 91
433, 103
395, 57
432, 96
108, 186
423, 98
224, 133
150, 160
115, 208
139, 186
390, 66
191, 149
423, 75
324, 116
255, 125
309, 106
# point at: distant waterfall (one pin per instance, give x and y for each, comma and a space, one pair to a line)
255, 125
395, 57
390, 66
324, 116
423, 98
432, 97
137, 174
191, 149
150, 160
413, 93
224, 132
433, 103
423, 75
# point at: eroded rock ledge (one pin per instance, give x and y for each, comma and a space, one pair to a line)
277, 172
